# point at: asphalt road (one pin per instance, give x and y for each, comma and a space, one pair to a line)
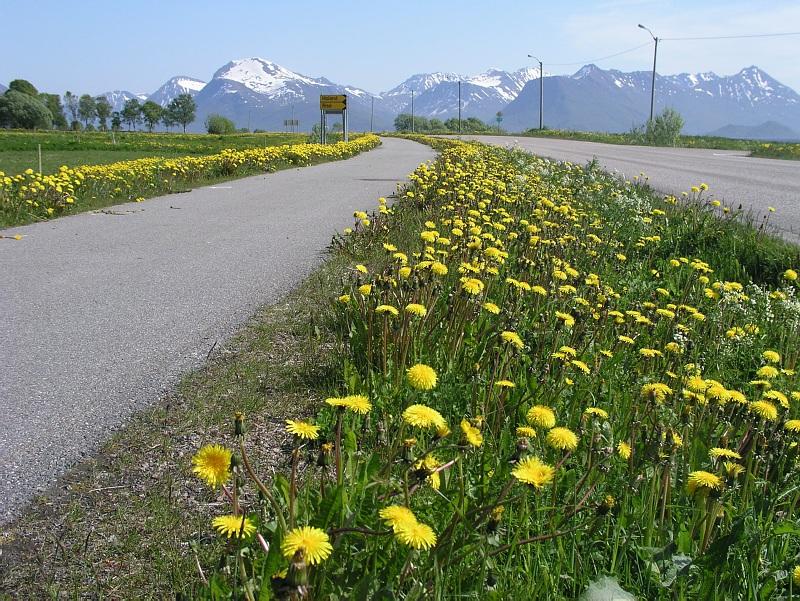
100, 314
732, 177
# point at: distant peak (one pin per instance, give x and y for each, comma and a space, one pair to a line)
586, 70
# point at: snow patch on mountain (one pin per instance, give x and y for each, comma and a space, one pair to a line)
263, 76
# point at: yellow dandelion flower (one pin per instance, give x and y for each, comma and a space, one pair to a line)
541, 416
355, 402
505, 384
302, 429
416, 309
472, 435
421, 377
793, 425
526, 432
313, 543
234, 526
624, 450
388, 309
717, 452
656, 391
732, 468
416, 535
472, 286
534, 471
703, 482
212, 464
581, 366
790, 274
767, 371
395, 515
513, 339
365, 289
562, 438
596, 412
771, 356
796, 575
422, 416
765, 410
491, 308
568, 319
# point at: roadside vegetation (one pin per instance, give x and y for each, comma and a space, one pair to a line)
19, 150
32, 196
518, 379
756, 148
546, 377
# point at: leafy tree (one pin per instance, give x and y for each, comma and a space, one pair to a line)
53, 104
103, 108
23, 111
403, 122
132, 113
664, 130
151, 113
24, 87
435, 125
71, 100
166, 118
87, 109
217, 124
116, 121
183, 110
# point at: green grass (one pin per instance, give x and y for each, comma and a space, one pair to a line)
756, 148
19, 149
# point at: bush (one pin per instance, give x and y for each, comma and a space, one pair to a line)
22, 111
664, 130
217, 124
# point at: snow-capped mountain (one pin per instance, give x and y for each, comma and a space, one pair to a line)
176, 86
257, 93
436, 94
611, 100
118, 98
2, 89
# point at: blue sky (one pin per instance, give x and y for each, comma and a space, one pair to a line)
93, 46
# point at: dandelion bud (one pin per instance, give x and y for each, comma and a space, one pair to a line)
325, 452
238, 424
298, 574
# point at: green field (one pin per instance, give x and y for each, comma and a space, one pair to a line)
19, 150
756, 148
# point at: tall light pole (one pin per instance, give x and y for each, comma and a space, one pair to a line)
459, 106
541, 91
412, 111
371, 114
655, 55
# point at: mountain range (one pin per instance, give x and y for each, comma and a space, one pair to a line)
260, 94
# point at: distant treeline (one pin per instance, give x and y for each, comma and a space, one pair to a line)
22, 106
403, 123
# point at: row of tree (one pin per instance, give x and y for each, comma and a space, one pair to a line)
404, 122
22, 106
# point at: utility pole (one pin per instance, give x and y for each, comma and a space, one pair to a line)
371, 113
412, 111
655, 56
541, 91
459, 106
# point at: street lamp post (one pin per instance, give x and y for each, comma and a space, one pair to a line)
541, 91
459, 106
412, 111
653, 84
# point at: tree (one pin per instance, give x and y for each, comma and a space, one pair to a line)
24, 87
132, 113
53, 104
166, 118
151, 113
217, 124
183, 110
71, 100
103, 108
23, 111
116, 121
87, 109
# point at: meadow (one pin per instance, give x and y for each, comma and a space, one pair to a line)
32, 196
545, 377
19, 150
756, 148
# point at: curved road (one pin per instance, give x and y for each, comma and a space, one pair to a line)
101, 313
732, 177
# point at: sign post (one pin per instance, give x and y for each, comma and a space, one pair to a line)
332, 104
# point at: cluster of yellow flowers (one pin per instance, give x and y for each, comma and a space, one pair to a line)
588, 368
39, 196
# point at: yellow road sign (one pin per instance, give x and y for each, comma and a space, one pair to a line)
332, 102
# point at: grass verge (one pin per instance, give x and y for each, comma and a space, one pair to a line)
31, 196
